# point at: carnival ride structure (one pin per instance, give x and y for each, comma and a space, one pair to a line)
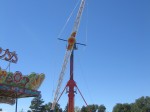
15, 85
71, 85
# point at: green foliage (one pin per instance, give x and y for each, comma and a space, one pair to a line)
29, 111
140, 105
48, 106
58, 108
93, 108
101, 108
37, 104
84, 109
122, 108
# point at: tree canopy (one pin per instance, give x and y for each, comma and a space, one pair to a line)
93, 108
140, 105
38, 106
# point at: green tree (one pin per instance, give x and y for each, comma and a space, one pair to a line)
58, 108
37, 104
48, 106
93, 108
118, 108
122, 107
101, 108
84, 109
141, 104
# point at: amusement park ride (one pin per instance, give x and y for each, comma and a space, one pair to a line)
15, 85
71, 85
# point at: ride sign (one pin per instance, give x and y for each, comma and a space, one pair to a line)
8, 56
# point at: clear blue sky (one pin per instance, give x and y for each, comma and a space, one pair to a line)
113, 68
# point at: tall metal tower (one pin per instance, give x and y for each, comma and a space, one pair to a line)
71, 85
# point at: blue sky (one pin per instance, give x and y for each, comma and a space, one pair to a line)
113, 68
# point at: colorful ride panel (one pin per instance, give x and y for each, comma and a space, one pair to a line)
32, 81
15, 85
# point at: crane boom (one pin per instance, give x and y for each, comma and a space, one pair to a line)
79, 14
62, 73
71, 42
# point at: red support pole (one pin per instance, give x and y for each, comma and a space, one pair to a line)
71, 84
